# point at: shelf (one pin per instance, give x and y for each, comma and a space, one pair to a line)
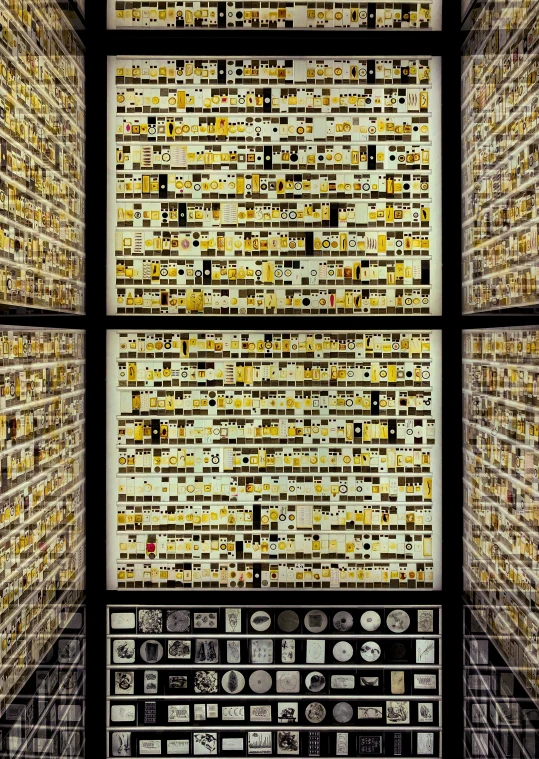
233, 192
311, 466
254, 643
41, 159
42, 502
251, 14
499, 114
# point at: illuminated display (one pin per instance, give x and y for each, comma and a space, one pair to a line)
274, 187
283, 460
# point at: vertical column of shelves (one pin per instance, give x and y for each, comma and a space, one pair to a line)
42, 521
501, 718
501, 508
47, 718
500, 157
42, 161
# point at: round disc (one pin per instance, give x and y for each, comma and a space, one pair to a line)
151, 651
343, 621
260, 681
370, 621
370, 651
316, 621
315, 712
315, 682
260, 621
179, 621
342, 712
288, 621
398, 620
397, 651
343, 651
233, 681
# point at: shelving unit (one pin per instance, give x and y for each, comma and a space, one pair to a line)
500, 154
42, 161
292, 460
47, 716
501, 510
42, 503
331, 681
284, 187
501, 716
253, 14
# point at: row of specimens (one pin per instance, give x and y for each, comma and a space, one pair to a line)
501, 460
251, 460
273, 186
285, 14
245, 681
42, 165
500, 156
42, 526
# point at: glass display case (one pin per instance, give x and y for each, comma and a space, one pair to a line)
283, 187
42, 162
500, 153
245, 681
251, 460
42, 526
254, 14
501, 459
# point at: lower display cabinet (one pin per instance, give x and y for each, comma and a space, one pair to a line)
246, 681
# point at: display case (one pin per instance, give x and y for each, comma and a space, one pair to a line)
500, 156
41, 503
42, 160
254, 14
501, 718
47, 717
501, 459
274, 681
284, 187
252, 460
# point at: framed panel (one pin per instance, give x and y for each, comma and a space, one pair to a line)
42, 168
252, 14
252, 187
252, 460
42, 496
500, 155
246, 681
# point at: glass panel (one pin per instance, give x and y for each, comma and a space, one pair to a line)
251, 460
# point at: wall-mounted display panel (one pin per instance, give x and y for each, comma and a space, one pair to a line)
251, 187
246, 681
42, 159
41, 496
252, 460
501, 461
500, 154
253, 14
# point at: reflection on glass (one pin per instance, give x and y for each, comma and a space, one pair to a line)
42, 170
42, 542
501, 461
500, 158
